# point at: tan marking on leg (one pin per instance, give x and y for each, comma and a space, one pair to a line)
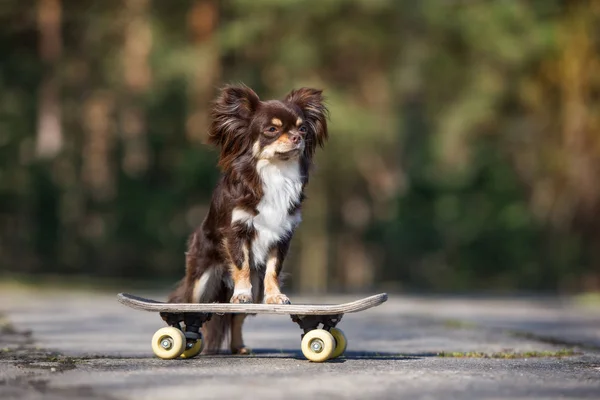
273, 293
237, 341
242, 287
271, 281
276, 122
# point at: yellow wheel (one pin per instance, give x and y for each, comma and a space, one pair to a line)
318, 345
193, 348
340, 342
168, 343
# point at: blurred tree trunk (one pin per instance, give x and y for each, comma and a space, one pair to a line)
137, 77
100, 105
49, 140
97, 171
203, 19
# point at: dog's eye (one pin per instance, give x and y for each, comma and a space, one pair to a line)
272, 129
303, 129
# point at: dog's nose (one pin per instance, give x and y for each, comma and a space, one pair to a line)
295, 138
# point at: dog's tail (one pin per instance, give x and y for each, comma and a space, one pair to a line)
215, 331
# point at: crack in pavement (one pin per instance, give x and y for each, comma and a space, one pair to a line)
27, 369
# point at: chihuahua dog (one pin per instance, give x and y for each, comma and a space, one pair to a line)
236, 255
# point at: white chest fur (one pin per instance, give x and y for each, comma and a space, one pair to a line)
282, 186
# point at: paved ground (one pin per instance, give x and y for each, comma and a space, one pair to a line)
86, 345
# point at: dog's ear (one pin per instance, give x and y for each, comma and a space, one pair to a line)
311, 103
231, 111
231, 115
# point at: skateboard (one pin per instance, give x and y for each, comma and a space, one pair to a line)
318, 344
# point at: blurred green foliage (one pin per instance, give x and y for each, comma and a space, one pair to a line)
464, 143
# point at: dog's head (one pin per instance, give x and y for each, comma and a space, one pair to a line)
246, 128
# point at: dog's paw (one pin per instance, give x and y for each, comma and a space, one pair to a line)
277, 299
242, 351
241, 298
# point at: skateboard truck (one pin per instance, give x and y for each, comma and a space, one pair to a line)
193, 322
309, 322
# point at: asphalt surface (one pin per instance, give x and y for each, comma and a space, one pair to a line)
71, 345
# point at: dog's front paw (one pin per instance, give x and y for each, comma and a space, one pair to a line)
241, 298
277, 299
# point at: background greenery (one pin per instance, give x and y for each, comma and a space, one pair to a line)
464, 152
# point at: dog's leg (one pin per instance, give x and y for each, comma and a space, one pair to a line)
237, 342
239, 268
273, 293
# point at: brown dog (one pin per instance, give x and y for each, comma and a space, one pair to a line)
236, 255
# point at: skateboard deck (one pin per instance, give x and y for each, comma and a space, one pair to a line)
141, 303
321, 339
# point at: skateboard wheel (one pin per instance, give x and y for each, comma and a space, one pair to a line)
193, 348
340, 342
318, 345
168, 343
